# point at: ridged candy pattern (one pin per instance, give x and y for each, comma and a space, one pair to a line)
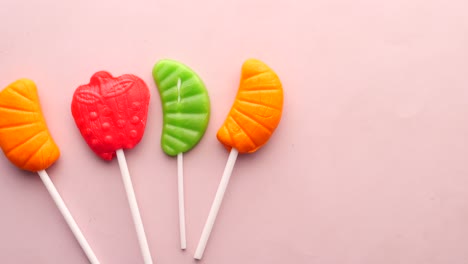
186, 106
24, 137
256, 111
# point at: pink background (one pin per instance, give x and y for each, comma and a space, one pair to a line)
369, 163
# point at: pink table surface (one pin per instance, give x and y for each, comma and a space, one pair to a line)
369, 164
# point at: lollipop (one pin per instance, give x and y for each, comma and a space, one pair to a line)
251, 122
27, 143
111, 115
186, 110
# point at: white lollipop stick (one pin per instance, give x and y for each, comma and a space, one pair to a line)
216, 203
134, 207
180, 185
68, 217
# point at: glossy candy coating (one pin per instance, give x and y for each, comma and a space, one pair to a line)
256, 111
186, 106
111, 112
24, 137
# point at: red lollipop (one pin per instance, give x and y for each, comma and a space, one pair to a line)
111, 114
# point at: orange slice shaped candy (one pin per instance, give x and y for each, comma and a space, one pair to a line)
256, 111
24, 137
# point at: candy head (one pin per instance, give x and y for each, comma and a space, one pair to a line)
186, 106
256, 111
111, 112
24, 137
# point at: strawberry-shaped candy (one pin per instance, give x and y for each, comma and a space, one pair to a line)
111, 112
111, 115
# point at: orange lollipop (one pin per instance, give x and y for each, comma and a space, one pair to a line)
27, 143
253, 118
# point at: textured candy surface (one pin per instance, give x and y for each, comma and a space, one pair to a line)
256, 111
111, 112
186, 106
24, 137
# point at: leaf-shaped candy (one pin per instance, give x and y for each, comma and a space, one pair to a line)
186, 106
186, 111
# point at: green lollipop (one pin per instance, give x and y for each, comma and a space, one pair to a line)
186, 111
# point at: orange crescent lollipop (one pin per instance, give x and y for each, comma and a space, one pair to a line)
27, 143
253, 118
